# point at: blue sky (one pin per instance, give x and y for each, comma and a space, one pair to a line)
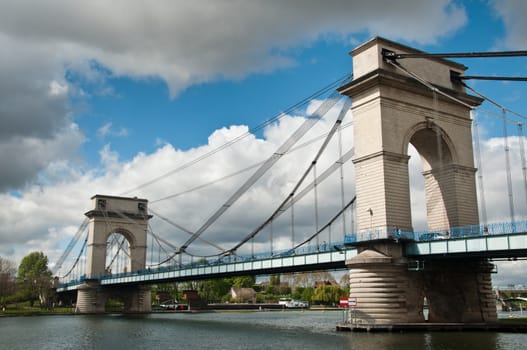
142, 113
100, 97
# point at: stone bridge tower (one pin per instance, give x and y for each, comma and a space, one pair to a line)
391, 110
128, 217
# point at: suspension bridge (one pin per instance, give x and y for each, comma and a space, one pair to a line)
367, 225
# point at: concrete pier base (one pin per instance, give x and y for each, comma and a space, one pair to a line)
387, 292
384, 290
92, 298
459, 291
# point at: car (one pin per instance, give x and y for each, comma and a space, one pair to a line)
297, 304
431, 236
170, 305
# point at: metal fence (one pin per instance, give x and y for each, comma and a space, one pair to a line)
391, 232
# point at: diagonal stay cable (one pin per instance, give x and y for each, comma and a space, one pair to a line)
331, 221
500, 106
301, 131
241, 171
345, 108
318, 93
70, 246
167, 220
429, 85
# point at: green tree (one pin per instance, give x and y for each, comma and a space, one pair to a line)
243, 282
274, 280
307, 294
34, 278
215, 290
7, 280
328, 294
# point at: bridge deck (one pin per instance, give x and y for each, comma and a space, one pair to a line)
295, 263
487, 246
512, 245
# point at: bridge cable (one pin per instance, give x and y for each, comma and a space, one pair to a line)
337, 165
70, 245
271, 236
185, 230
286, 204
522, 154
241, 171
392, 56
328, 224
479, 165
344, 110
301, 131
340, 81
500, 106
292, 199
508, 166
122, 215
76, 260
159, 240
428, 84
315, 190
342, 195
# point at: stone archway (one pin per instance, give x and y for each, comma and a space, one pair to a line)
391, 110
127, 217
118, 258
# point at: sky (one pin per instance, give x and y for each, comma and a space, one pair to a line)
122, 97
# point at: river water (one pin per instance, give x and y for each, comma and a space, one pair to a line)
227, 330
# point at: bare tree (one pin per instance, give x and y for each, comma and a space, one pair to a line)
7, 280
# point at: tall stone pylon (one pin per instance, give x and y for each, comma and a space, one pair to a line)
128, 217
396, 103
391, 110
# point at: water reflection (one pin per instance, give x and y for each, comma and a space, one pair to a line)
250, 330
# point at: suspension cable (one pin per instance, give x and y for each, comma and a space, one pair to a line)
500, 106
391, 55
428, 84
508, 167
315, 190
71, 244
199, 187
76, 260
479, 165
301, 131
342, 196
328, 224
340, 81
167, 220
290, 200
522, 154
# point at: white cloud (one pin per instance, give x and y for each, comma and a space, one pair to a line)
44, 218
56, 88
105, 129
183, 43
513, 13
186, 43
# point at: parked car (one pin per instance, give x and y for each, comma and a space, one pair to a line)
170, 305
432, 236
297, 304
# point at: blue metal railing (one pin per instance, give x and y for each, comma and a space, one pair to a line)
305, 250
390, 232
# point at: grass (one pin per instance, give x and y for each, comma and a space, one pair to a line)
25, 309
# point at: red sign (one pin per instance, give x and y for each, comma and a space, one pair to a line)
344, 302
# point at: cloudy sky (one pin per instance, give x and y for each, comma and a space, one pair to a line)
122, 97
